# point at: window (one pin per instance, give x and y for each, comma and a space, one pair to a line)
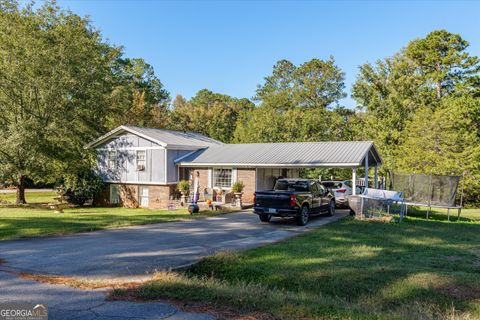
141, 160
114, 194
222, 178
291, 185
112, 159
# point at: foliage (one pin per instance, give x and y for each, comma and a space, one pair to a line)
421, 109
55, 86
443, 62
183, 186
139, 95
83, 186
313, 84
209, 113
238, 186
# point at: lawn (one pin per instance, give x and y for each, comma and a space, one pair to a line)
349, 269
30, 196
34, 220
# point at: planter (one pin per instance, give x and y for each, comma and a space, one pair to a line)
238, 199
183, 199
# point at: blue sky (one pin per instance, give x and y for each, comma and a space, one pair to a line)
229, 46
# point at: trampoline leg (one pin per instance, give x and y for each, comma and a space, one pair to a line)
459, 210
448, 213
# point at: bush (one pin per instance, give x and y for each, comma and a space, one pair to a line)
82, 187
238, 186
183, 186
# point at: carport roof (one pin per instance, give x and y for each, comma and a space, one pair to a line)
346, 154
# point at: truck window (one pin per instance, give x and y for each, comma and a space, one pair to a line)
291, 185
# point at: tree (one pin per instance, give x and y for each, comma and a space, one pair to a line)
388, 93
314, 84
139, 95
56, 86
414, 106
443, 62
445, 141
209, 113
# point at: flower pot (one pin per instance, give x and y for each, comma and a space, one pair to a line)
238, 198
183, 199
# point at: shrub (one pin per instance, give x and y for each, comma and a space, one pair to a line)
238, 186
183, 186
82, 187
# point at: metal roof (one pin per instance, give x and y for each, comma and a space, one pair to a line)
287, 154
165, 138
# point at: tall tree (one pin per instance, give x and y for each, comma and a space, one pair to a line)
443, 62
209, 113
139, 95
404, 102
55, 90
296, 105
313, 84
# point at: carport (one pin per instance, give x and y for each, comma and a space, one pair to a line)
284, 156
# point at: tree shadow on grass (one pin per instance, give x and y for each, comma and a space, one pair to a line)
385, 264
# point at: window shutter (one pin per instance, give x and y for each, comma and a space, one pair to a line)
234, 175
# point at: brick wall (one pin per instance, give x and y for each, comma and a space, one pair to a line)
159, 196
248, 177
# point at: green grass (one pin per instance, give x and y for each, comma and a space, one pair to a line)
349, 269
30, 197
21, 222
36, 220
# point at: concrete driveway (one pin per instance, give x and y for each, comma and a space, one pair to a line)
136, 252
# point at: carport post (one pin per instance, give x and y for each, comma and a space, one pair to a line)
354, 181
375, 176
366, 171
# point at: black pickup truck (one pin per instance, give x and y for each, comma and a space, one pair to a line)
297, 198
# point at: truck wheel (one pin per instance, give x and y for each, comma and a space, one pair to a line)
265, 217
303, 216
331, 208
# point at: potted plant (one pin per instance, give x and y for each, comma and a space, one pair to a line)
237, 190
184, 187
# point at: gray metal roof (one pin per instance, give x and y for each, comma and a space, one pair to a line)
165, 138
287, 154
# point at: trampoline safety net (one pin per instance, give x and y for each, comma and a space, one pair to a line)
427, 189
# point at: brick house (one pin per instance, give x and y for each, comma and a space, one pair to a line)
141, 166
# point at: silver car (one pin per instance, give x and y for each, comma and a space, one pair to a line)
341, 189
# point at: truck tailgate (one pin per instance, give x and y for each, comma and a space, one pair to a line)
273, 199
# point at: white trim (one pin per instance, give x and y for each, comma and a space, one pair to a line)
269, 165
156, 183
210, 183
165, 167
234, 175
131, 148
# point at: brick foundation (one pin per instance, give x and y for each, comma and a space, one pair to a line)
158, 196
248, 177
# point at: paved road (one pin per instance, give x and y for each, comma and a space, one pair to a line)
136, 252
128, 253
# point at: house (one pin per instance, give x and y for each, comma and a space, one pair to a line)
142, 166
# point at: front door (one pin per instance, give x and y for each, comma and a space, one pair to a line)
143, 195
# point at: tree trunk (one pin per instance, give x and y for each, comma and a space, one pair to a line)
21, 190
439, 90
